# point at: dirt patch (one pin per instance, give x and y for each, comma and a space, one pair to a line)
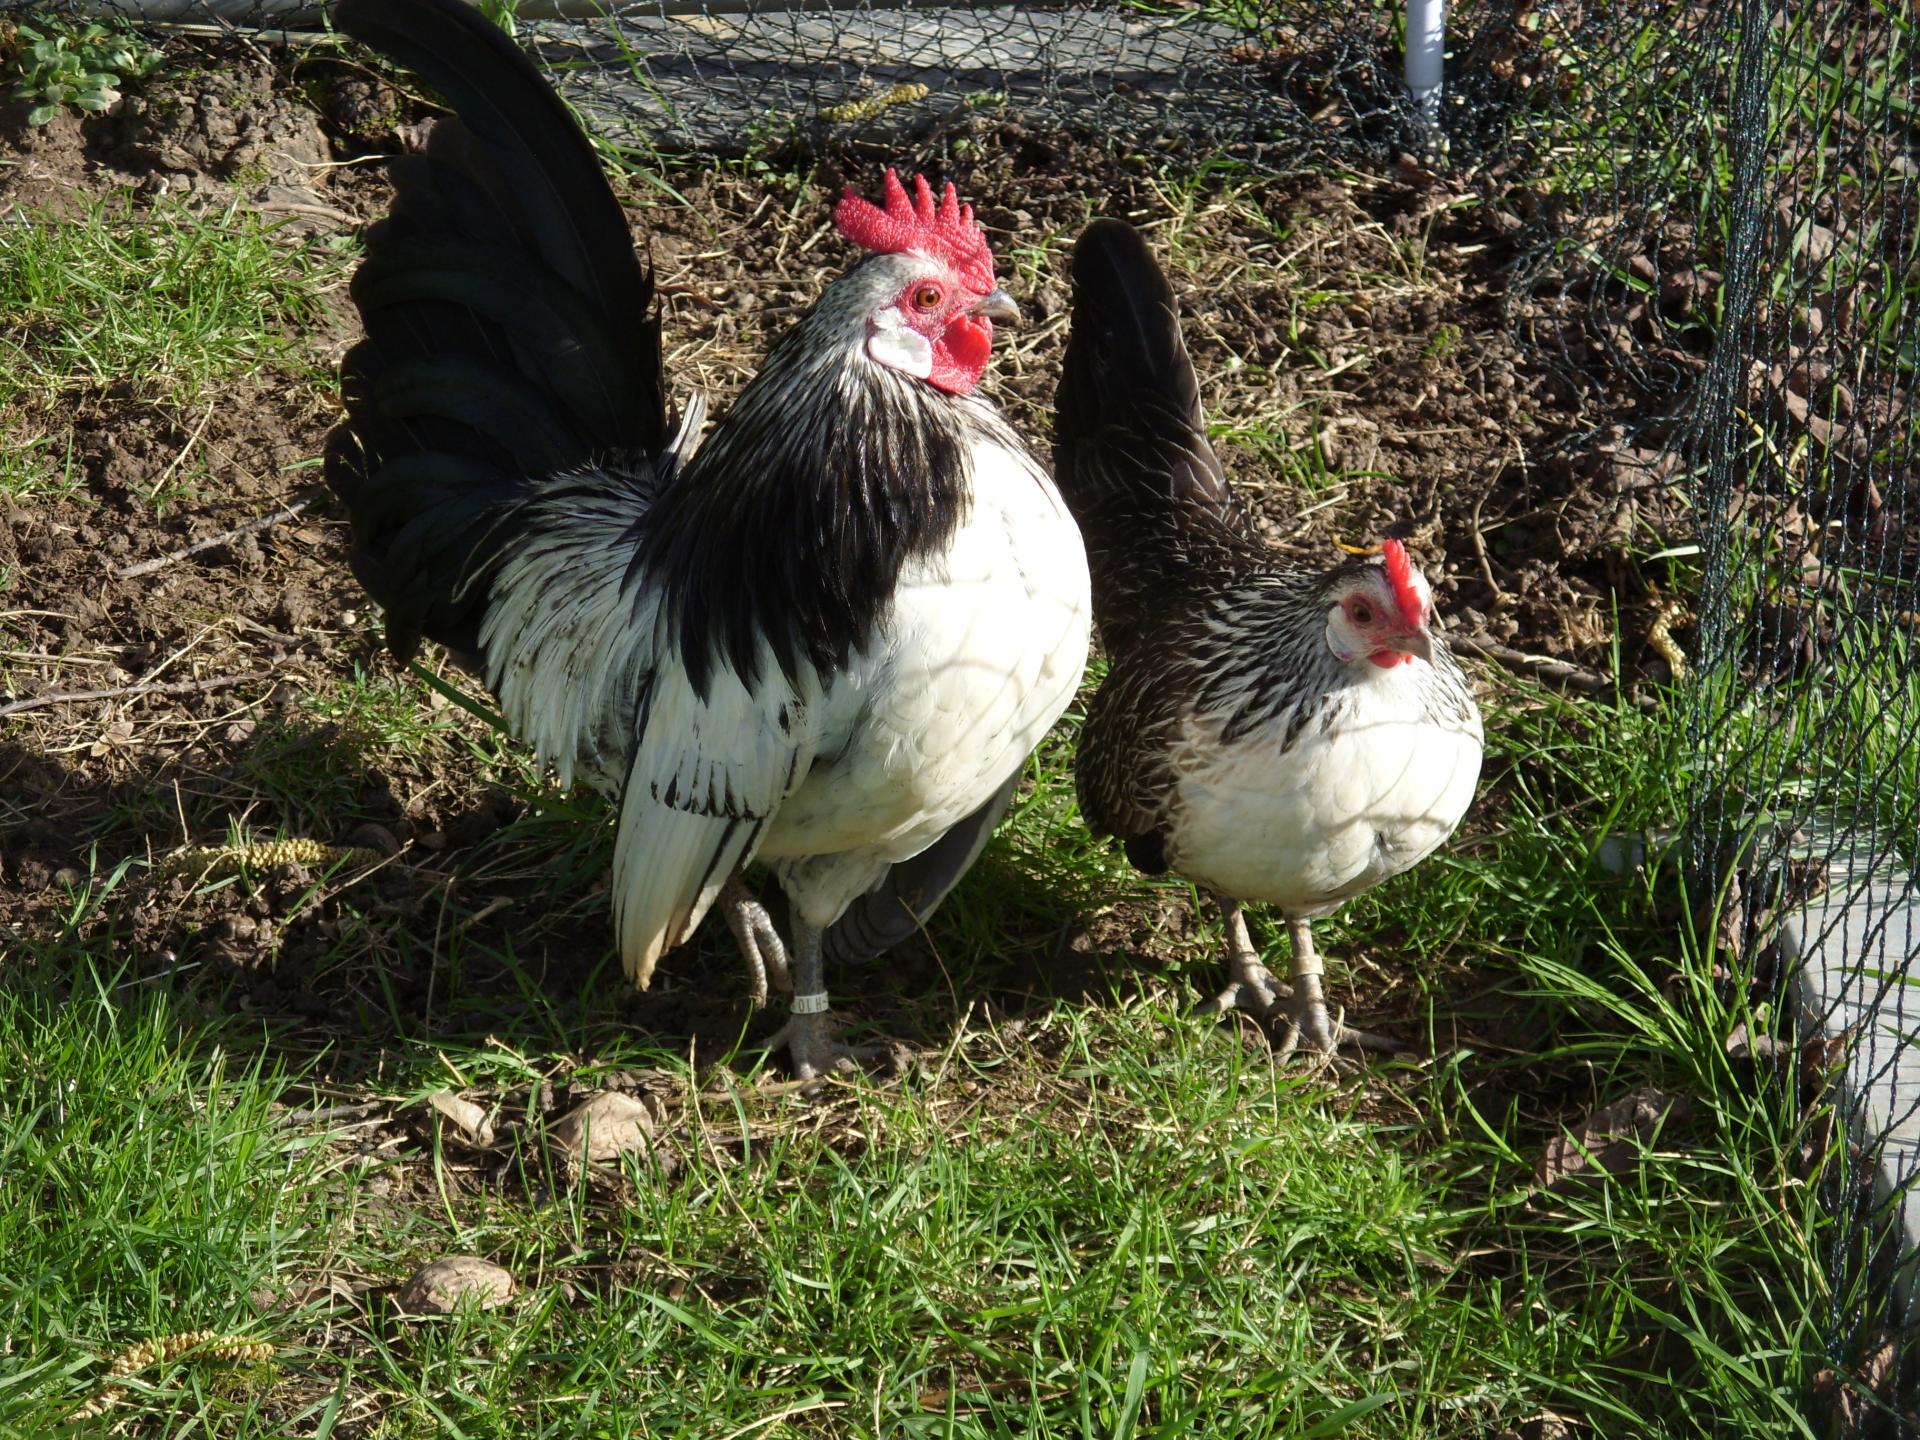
223, 124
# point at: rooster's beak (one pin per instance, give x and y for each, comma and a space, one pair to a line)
998, 305
1414, 642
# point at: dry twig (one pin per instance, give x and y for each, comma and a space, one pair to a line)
265, 522
1561, 672
121, 692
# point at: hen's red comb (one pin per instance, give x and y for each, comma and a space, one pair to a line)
946, 232
1399, 570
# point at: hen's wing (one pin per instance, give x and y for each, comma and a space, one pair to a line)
1123, 770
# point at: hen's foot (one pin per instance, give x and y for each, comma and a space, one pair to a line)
1254, 989
1310, 1026
809, 1043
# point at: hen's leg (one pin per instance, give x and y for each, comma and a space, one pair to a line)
759, 941
1252, 986
808, 1033
1308, 1023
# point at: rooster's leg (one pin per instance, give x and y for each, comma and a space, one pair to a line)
808, 1033
1252, 987
1309, 1025
759, 941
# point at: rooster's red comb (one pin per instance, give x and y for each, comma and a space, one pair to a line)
1399, 570
947, 231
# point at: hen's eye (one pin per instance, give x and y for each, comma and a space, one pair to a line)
927, 296
1362, 613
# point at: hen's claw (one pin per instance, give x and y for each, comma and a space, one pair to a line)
1253, 989
1308, 1024
1311, 1027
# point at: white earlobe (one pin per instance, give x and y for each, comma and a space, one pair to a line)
1336, 639
898, 346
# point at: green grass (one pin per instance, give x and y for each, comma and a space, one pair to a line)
148, 1190
165, 306
1091, 1215
1105, 1218
171, 301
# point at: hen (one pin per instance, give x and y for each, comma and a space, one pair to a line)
825, 639
1269, 733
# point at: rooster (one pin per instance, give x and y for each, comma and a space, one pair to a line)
824, 639
1269, 733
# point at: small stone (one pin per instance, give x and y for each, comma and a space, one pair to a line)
372, 836
446, 1284
604, 1127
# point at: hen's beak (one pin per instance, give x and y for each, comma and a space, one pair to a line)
1413, 642
999, 306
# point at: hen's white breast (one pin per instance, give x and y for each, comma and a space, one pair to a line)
1352, 801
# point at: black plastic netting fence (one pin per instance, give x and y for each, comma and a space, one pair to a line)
1727, 196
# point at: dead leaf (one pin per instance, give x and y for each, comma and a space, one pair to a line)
603, 1127
1882, 1359
446, 1284
1823, 1055
1741, 1044
1682, 291
468, 1118
1607, 1140
115, 735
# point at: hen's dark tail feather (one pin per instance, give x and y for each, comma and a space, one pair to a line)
510, 330
1131, 455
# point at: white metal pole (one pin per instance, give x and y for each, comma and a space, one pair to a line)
1426, 52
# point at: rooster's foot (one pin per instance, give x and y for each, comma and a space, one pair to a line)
809, 1043
761, 947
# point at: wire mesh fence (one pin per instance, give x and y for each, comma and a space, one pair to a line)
1744, 238
1726, 200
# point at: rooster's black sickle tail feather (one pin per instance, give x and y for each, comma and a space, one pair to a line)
510, 326
1131, 455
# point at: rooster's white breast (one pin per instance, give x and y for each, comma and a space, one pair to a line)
982, 649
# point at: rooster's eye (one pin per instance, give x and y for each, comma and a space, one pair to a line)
1362, 613
927, 296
